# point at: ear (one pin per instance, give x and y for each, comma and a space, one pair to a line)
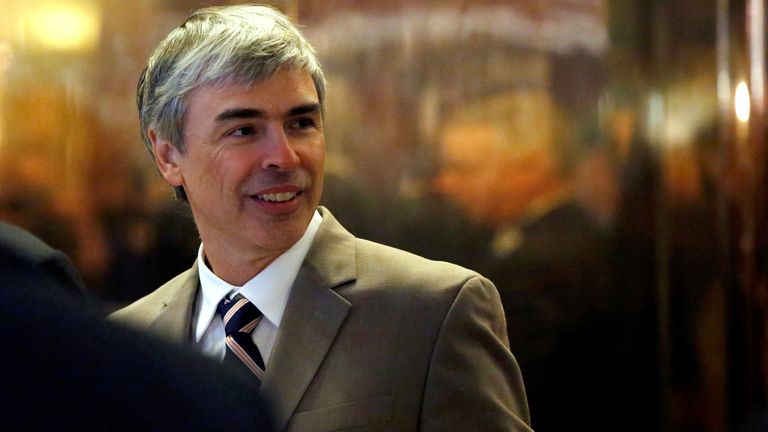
167, 158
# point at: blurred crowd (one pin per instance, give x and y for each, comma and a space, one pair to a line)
125, 238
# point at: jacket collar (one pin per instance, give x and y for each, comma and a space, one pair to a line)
174, 319
313, 316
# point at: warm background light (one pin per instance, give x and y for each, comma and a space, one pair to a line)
742, 102
62, 26
6, 56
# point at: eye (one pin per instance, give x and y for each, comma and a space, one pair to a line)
242, 131
303, 123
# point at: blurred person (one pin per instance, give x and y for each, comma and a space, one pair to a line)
68, 369
635, 236
504, 163
697, 295
339, 332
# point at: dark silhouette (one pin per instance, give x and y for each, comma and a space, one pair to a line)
66, 368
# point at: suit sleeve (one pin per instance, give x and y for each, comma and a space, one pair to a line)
474, 382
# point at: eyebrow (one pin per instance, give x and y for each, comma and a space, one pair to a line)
247, 113
239, 113
310, 108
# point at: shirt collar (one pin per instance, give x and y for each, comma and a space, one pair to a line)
268, 290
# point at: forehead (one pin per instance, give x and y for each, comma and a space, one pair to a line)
274, 96
507, 124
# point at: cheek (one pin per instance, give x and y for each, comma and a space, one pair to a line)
234, 165
312, 160
317, 163
316, 153
211, 177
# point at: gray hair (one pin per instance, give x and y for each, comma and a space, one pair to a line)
218, 45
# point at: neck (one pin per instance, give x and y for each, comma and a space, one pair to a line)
540, 201
232, 268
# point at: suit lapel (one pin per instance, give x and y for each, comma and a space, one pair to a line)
174, 320
313, 316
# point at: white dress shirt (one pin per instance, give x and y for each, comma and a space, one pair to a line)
268, 290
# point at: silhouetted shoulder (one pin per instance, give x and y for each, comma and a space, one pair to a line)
26, 262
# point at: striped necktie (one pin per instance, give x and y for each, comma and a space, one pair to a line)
240, 317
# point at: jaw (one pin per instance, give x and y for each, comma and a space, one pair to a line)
242, 248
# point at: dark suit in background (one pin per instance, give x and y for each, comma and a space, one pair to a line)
561, 299
65, 368
28, 262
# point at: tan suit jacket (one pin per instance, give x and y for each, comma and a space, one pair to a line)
374, 339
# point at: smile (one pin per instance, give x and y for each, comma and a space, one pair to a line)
278, 197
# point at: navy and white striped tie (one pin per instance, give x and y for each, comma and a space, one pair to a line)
240, 317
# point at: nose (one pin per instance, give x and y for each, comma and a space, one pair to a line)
279, 153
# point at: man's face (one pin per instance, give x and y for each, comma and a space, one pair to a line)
253, 165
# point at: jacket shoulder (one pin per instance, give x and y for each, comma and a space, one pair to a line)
398, 268
410, 288
23, 246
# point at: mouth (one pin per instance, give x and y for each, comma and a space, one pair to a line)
279, 197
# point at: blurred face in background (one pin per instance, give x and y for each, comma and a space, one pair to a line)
490, 182
496, 161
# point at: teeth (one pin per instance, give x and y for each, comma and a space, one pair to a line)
277, 197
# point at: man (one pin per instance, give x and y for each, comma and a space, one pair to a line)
550, 250
353, 335
66, 368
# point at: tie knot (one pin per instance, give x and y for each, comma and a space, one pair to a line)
239, 315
